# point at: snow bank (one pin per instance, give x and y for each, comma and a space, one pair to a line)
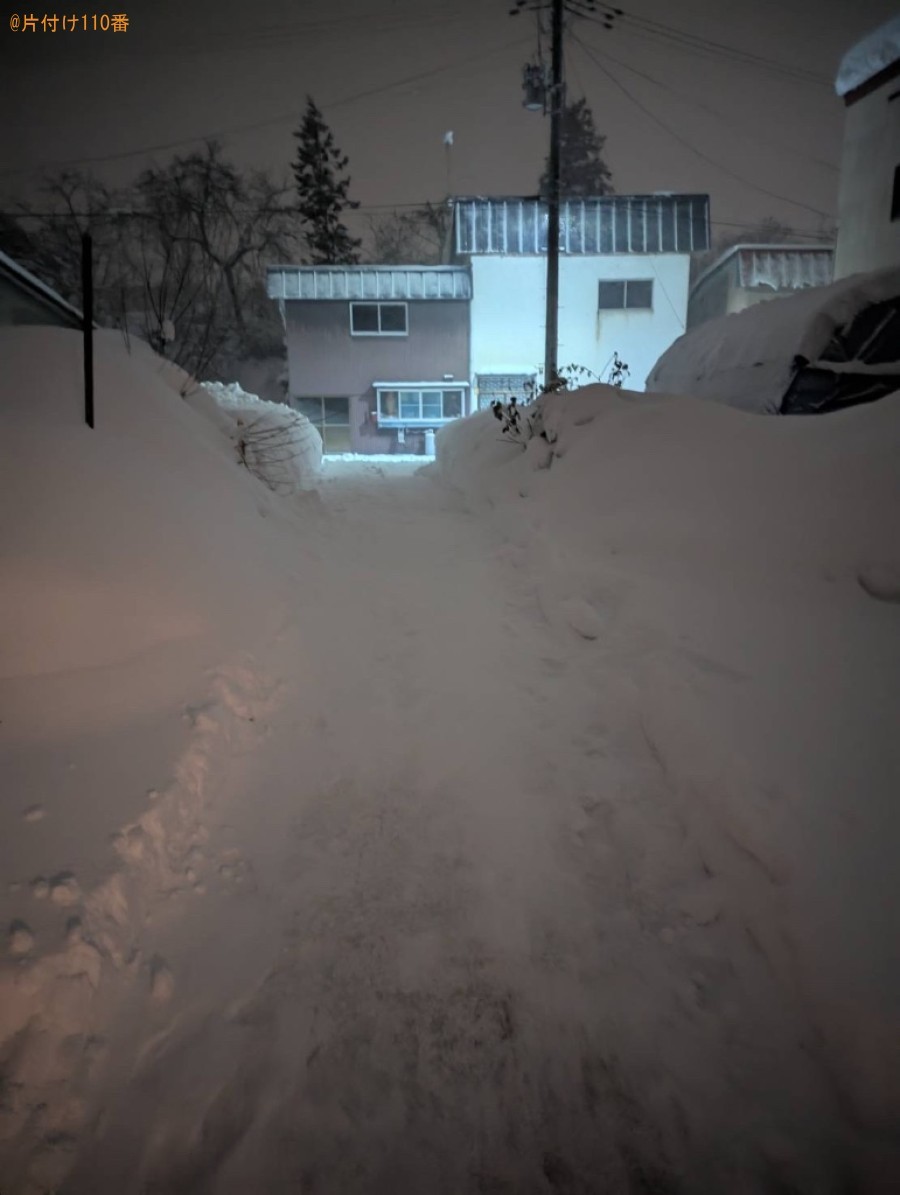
277, 444
136, 558
120, 539
746, 359
878, 50
744, 575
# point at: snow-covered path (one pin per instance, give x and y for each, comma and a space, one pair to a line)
450, 933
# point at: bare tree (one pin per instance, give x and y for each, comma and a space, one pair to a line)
416, 237
46, 238
236, 223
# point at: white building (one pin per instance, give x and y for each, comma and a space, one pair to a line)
869, 195
623, 283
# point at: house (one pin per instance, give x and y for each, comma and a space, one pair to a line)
381, 356
748, 274
869, 191
378, 356
814, 351
24, 299
624, 268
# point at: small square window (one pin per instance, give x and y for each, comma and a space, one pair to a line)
612, 296
393, 317
364, 317
639, 293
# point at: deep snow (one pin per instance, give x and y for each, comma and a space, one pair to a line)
476, 827
746, 359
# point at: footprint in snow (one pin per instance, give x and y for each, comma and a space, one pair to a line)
20, 938
64, 889
582, 618
34, 813
162, 982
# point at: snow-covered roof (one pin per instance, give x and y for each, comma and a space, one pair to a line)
32, 286
368, 282
876, 52
746, 359
782, 267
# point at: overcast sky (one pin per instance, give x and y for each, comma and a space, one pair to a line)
748, 113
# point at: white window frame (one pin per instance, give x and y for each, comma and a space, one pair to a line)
419, 420
377, 304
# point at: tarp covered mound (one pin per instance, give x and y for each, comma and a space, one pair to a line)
818, 350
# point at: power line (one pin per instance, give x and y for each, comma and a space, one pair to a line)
831, 166
683, 140
283, 118
681, 38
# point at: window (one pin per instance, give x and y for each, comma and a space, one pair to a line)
419, 407
378, 319
432, 405
331, 418
895, 195
409, 404
627, 293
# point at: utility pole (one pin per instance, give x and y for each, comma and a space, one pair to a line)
557, 100
550, 96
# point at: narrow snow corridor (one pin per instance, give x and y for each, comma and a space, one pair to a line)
453, 935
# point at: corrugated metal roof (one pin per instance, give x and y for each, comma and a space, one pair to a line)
785, 268
608, 224
368, 282
820, 259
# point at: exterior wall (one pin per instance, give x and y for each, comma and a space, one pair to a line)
867, 238
508, 313
713, 296
325, 360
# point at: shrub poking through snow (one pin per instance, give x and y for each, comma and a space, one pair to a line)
275, 443
618, 372
520, 426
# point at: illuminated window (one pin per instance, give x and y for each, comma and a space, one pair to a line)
378, 319
419, 407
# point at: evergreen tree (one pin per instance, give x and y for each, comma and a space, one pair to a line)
322, 192
583, 173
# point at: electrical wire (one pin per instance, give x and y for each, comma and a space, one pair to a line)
283, 118
830, 166
684, 141
680, 37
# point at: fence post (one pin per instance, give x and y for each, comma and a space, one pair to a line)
87, 307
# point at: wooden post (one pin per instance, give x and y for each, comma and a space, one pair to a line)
87, 307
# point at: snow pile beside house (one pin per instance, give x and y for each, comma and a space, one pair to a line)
742, 577
277, 444
134, 561
873, 54
747, 359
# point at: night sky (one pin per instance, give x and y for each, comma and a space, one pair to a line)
751, 113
